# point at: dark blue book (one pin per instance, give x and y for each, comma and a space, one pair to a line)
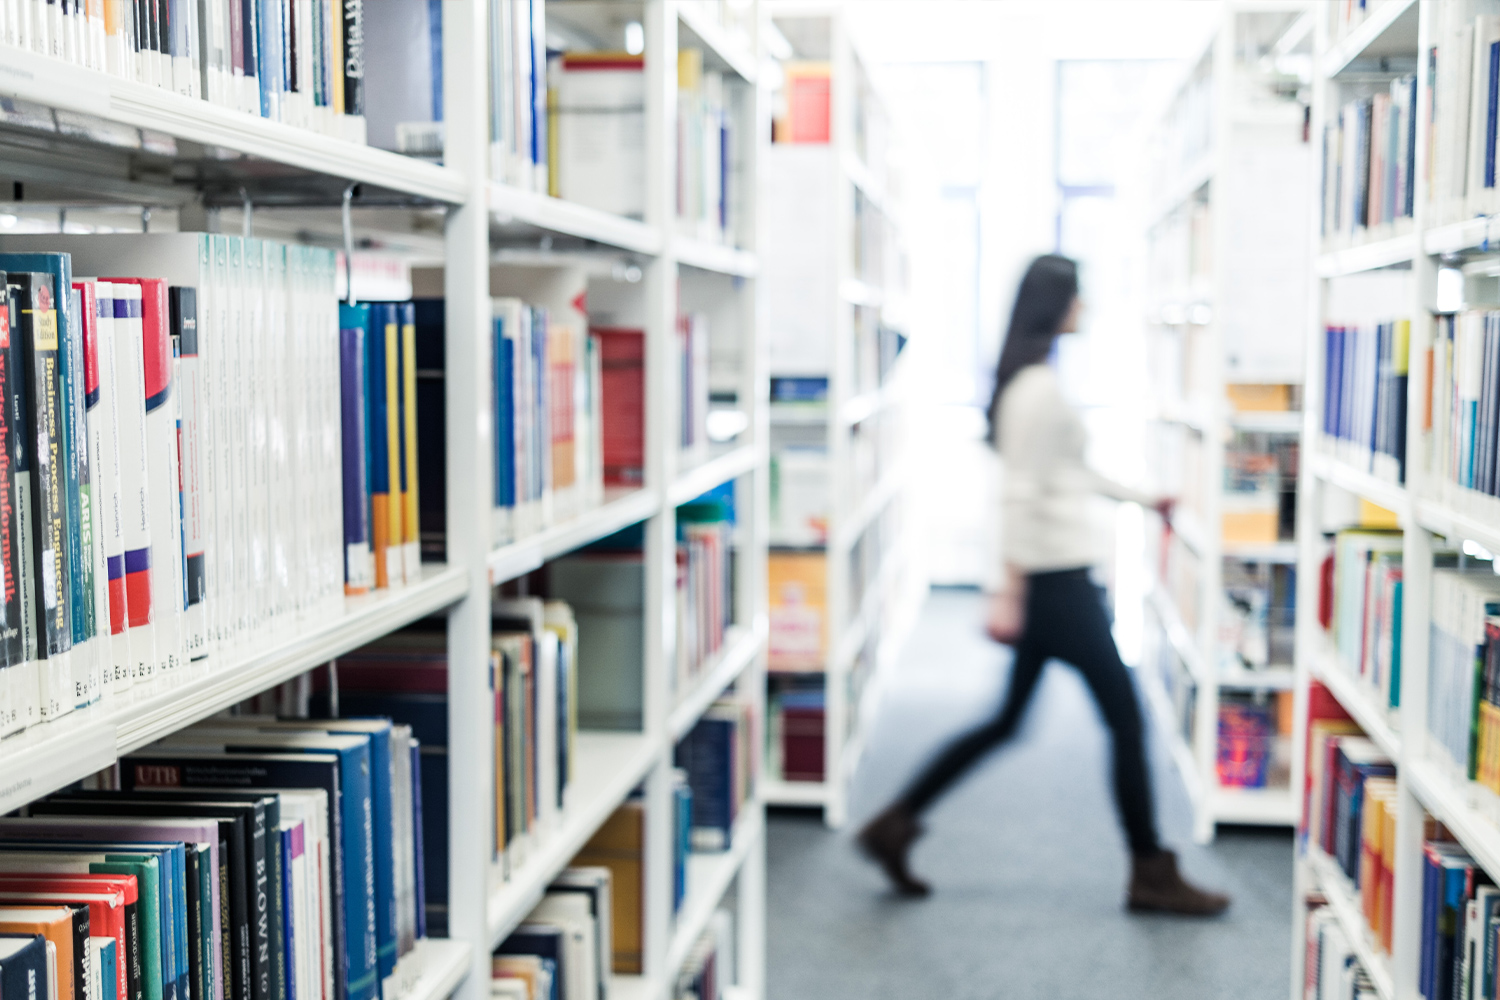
707, 756
543, 941
23, 967
419, 846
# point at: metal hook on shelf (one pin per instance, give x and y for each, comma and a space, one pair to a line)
62, 220
145, 218
346, 217
247, 223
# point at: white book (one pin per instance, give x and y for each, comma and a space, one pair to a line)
601, 141
272, 380
110, 487
135, 483
95, 418
258, 405
309, 807
240, 375
164, 468
192, 429
572, 914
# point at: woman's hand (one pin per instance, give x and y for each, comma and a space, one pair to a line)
1005, 617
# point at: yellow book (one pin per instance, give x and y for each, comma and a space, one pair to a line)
411, 517
620, 846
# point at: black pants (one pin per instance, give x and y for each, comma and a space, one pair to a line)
1064, 619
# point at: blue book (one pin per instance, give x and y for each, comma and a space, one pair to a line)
505, 418
707, 756
291, 848
546, 942
419, 846
23, 967
108, 968
682, 823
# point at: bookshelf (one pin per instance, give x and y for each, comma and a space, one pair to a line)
1227, 182
465, 232
1427, 267
834, 278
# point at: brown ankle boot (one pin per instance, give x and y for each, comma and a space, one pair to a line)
1156, 886
886, 839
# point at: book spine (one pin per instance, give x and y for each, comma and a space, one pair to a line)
82, 682
390, 345
183, 304
352, 66
412, 529
162, 464
15, 669
378, 462
92, 490
43, 347
135, 484
359, 568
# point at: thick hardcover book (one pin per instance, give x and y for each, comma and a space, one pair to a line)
183, 317
106, 913
130, 986
41, 350
61, 926
359, 568
23, 966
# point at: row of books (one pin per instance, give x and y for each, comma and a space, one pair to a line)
707, 191
1254, 727
134, 546
795, 727
1364, 396
710, 963
705, 582
1463, 702
1331, 969
302, 64
245, 857
1351, 817
518, 93
1462, 68
1465, 415
1460, 922
1360, 603
1369, 158
719, 761
565, 948
1256, 621
1259, 502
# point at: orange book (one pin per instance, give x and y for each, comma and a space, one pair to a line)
56, 924
808, 115
798, 583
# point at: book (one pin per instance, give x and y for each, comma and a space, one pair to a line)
24, 966
359, 566
619, 846
67, 929
600, 127
195, 496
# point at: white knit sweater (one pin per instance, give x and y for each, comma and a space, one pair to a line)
1045, 485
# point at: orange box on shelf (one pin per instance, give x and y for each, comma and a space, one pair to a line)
1259, 397
1251, 519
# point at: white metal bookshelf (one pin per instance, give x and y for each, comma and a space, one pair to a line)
480, 220
1433, 515
864, 632
1236, 103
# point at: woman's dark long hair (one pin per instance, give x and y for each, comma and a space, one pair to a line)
1042, 302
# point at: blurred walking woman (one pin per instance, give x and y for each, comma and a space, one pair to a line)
1047, 606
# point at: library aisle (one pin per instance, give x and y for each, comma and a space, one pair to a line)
1025, 858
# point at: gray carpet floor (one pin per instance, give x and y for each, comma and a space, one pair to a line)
1025, 855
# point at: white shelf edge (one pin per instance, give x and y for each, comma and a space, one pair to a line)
862, 407
855, 292
521, 557
780, 792
714, 472
513, 899
714, 257
709, 876
1179, 635
1264, 679
1354, 44
859, 174
1166, 724
507, 203
844, 535
1199, 173
65, 86
1449, 804
633, 988
438, 966
1271, 806
1392, 496
739, 651
1456, 237
1366, 256
1339, 892
58, 753
1270, 552
1186, 526
1351, 693
1267, 421
718, 41
1441, 519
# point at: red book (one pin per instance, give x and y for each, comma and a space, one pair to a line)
106, 908
622, 356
